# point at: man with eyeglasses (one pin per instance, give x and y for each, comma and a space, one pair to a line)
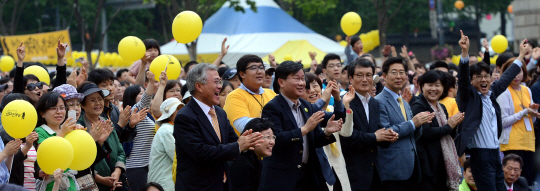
512, 166
331, 65
482, 126
247, 101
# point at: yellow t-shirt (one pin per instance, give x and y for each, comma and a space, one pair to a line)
451, 105
240, 103
520, 138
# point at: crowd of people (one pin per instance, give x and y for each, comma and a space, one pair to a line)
338, 125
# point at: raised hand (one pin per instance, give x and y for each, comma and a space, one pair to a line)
124, 116
327, 92
163, 78
31, 138
333, 126
523, 49
404, 52
249, 140
485, 44
58, 175
464, 44
67, 127
12, 147
393, 50
272, 60
95, 131
456, 119
407, 96
348, 97
21, 53
151, 77
348, 39
83, 75
224, 49
336, 91
137, 116
106, 130
61, 50
312, 55
386, 50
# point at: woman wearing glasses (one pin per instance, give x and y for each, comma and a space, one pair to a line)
52, 109
246, 170
518, 114
162, 153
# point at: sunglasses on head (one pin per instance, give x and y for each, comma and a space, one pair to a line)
33, 86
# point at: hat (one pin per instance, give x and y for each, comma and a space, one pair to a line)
3, 87
230, 73
168, 107
68, 92
187, 95
93, 88
267, 68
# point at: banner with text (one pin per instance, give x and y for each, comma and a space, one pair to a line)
40, 47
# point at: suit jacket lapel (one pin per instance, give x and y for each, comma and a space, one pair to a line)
359, 108
394, 104
204, 120
373, 113
287, 109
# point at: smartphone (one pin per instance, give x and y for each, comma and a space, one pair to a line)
79, 59
72, 114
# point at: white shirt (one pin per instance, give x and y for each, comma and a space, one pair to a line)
509, 116
205, 108
508, 187
365, 103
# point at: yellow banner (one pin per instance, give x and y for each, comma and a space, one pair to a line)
40, 47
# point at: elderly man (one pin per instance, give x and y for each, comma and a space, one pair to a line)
205, 140
512, 165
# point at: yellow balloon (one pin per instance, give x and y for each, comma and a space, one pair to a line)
351, 23
343, 43
7, 63
186, 27
499, 43
287, 57
158, 65
84, 149
39, 72
19, 118
131, 48
53, 153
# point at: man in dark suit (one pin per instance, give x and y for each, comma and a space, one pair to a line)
294, 164
360, 149
205, 140
512, 166
482, 124
398, 164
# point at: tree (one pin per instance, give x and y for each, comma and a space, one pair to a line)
384, 15
89, 35
17, 8
202, 7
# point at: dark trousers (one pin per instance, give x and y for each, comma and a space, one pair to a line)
487, 169
528, 171
404, 185
137, 177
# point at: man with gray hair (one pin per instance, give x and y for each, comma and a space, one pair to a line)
205, 139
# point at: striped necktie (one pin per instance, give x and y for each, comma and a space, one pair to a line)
215, 124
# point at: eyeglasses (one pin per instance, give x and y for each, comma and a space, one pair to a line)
273, 137
270, 73
480, 77
255, 68
57, 109
74, 104
297, 79
361, 76
396, 73
33, 86
218, 82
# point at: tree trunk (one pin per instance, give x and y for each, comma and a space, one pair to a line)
192, 50
503, 22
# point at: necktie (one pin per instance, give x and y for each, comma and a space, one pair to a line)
334, 149
402, 107
215, 124
510, 189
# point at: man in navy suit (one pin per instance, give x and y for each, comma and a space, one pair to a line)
398, 164
360, 149
294, 164
482, 126
205, 140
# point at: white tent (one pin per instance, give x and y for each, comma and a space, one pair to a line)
259, 33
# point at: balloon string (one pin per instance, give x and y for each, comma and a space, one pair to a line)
166, 65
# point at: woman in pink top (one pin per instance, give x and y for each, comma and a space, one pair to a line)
29, 180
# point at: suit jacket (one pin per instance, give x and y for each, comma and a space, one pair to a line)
360, 149
397, 162
202, 158
246, 172
282, 170
469, 101
521, 185
429, 144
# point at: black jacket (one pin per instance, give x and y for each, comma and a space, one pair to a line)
246, 172
469, 101
360, 149
429, 145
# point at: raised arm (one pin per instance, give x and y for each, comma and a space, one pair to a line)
158, 99
508, 75
18, 84
405, 55
139, 80
464, 81
61, 77
224, 50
